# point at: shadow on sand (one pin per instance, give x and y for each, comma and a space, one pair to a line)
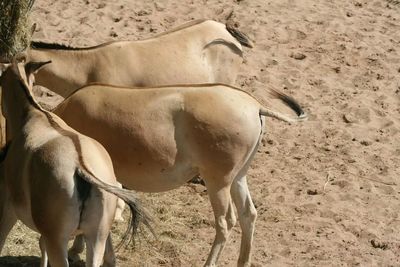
27, 261
19, 261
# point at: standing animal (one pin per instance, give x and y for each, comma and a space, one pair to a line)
56, 181
161, 137
200, 51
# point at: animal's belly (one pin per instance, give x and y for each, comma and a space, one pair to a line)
153, 178
148, 159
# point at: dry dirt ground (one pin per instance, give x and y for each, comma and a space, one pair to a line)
327, 190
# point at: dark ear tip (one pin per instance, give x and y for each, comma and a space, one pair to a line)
45, 63
39, 64
33, 67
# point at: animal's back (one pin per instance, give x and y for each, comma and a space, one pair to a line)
108, 102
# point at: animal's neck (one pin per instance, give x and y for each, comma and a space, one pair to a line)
63, 74
19, 105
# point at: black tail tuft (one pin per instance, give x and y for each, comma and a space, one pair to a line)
291, 102
241, 37
138, 216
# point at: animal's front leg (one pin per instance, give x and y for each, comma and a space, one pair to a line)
77, 247
120, 208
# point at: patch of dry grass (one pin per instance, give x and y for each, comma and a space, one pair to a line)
178, 214
15, 30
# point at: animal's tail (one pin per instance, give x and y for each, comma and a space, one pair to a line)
290, 102
138, 214
240, 36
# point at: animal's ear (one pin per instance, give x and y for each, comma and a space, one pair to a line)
32, 68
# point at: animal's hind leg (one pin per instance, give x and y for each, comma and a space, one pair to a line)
96, 223
247, 213
95, 247
247, 217
56, 250
220, 200
109, 256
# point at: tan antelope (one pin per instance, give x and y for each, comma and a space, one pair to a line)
161, 137
56, 181
200, 51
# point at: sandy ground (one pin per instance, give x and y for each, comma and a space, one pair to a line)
326, 190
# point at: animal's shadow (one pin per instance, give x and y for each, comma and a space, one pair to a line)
19, 261
28, 261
